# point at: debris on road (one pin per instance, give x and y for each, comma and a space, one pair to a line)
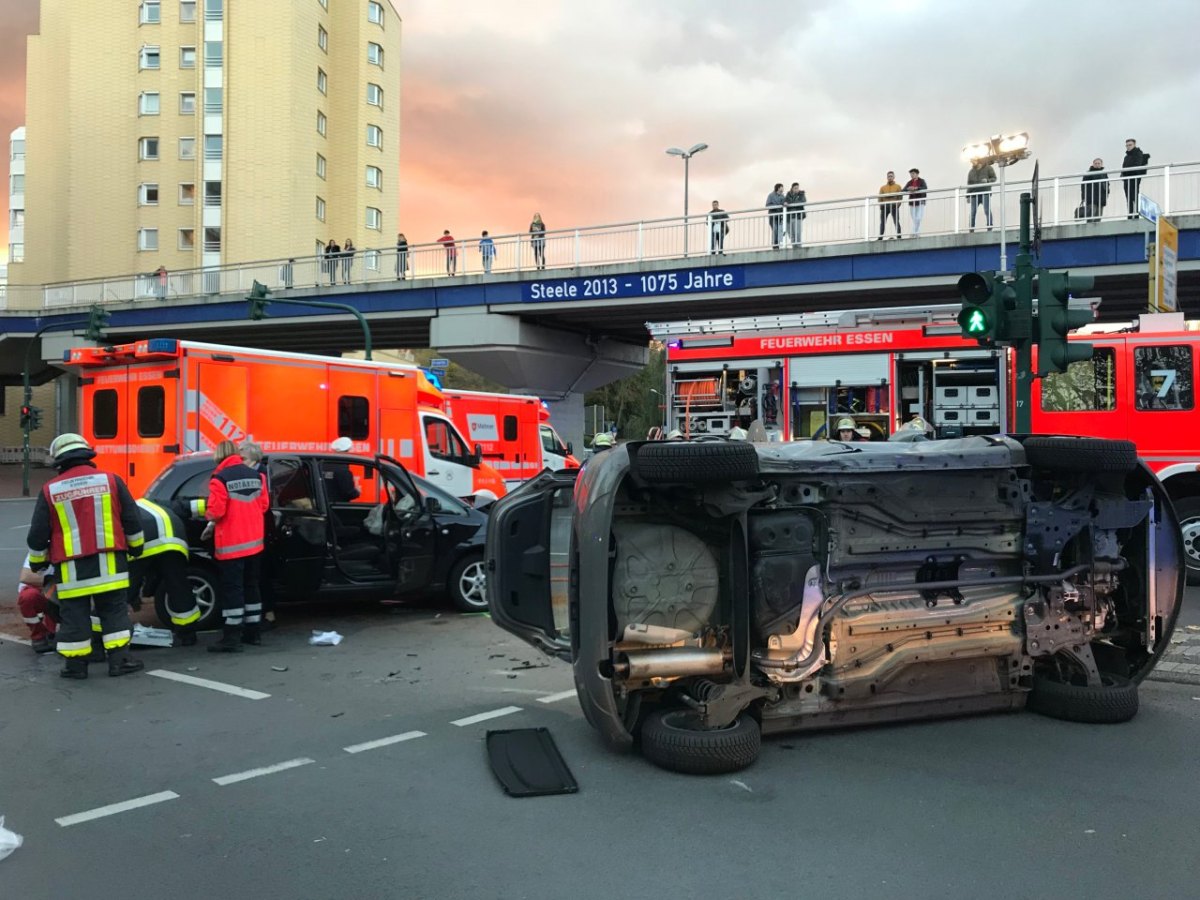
1192, 628
526, 666
279, 668
151, 637
335, 715
325, 639
9, 840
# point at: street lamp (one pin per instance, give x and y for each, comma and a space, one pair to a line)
686, 155
1003, 151
662, 402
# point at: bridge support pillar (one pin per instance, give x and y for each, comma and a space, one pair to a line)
558, 366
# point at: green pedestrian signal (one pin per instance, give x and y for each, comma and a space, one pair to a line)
259, 297
1056, 319
976, 323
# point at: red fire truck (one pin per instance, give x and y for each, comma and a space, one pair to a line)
798, 374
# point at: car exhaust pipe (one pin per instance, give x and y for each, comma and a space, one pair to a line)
643, 665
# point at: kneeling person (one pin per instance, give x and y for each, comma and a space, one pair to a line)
163, 563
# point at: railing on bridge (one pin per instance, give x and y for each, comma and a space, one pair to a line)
1175, 188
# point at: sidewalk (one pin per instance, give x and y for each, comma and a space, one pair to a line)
1181, 662
10, 480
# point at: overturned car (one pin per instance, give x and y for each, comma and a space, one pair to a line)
707, 593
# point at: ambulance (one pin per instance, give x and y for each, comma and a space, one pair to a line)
513, 430
798, 374
145, 403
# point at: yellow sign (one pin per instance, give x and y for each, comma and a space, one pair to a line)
1164, 268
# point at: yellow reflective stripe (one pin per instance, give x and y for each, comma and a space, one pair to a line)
94, 586
186, 618
96, 626
74, 648
106, 509
37, 557
174, 544
64, 526
199, 507
116, 639
135, 540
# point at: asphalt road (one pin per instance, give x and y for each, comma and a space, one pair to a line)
376, 785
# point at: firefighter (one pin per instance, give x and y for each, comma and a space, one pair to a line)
164, 563
845, 430
34, 593
603, 440
237, 503
86, 523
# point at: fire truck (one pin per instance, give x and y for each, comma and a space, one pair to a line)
799, 374
144, 403
513, 431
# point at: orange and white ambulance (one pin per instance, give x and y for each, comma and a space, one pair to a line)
513, 430
145, 403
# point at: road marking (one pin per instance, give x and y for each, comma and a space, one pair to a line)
265, 770
211, 685
384, 742
14, 639
483, 717
554, 698
112, 809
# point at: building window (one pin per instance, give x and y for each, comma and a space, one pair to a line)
214, 9
375, 13
1163, 376
321, 124
322, 81
148, 59
187, 239
16, 184
212, 146
147, 195
187, 148
374, 177
212, 193
16, 218
323, 39
187, 57
374, 136
187, 103
212, 100
16, 253
321, 209
213, 53
148, 103
150, 12
375, 95
18, 149
187, 10
320, 167
147, 238
148, 148
374, 218
212, 240
375, 54
187, 193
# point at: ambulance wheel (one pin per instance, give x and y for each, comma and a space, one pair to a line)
1188, 511
467, 585
697, 463
1078, 454
206, 591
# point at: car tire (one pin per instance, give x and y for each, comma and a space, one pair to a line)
467, 584
692, 463
673, 739
207, 591
1187, 510
1077, 454
1115, 700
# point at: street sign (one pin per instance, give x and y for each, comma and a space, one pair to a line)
1147, 208
439, 364
1164, 268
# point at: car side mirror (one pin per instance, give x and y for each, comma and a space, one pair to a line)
477, 456
570, 449
433, 504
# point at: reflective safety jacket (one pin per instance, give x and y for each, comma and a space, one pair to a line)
237, 502
84, 521
162, 530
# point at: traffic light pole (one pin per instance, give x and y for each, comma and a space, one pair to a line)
27, 396
1023, 342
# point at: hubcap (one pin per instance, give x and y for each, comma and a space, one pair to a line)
473, 584
203, 592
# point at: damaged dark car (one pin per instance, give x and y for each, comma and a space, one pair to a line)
708, 593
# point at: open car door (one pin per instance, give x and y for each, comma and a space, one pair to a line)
529, 562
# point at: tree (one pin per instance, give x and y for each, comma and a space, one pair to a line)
630, 403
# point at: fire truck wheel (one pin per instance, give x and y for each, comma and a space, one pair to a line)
684, 463
1078, 454
1188, 511
206, 591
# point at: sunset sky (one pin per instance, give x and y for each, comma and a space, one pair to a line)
566, 108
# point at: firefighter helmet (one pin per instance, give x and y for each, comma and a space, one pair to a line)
70, 444
602, 439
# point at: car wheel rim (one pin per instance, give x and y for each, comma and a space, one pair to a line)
202, 591
1191, 542
472, 584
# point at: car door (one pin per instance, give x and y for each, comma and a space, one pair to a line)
529, 562
411, 530
298, 543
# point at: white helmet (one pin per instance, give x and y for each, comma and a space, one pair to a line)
482, 498
602, 439
674, 435
342, 445
845, 424
70, 444
737, 433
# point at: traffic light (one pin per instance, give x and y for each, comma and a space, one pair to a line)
1056, 319
98, 318
31, 417
987, 302
259, 297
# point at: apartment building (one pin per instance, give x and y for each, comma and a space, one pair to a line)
189, 134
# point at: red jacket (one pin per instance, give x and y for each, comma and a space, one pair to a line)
237, 502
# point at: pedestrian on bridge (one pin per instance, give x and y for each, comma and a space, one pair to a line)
1133, 167
537, 237
332, 252
487, 250
979, 191
1093, 192
718, 227
401, 256
347, 260
774, 205
916, 187
447, 241
794, 202
889, 203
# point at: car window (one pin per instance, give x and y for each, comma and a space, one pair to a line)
550, 442
1088, 385
403, 501
1164, 377
195, 488
442, 440
291, 485
449, 505
349, 482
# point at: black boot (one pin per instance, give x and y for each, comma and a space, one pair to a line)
75, 667
187, 637
230, 642
121, 663
252, 634
42, 644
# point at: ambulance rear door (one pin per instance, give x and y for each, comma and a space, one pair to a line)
130, 414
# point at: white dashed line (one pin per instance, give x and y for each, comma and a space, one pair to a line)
554, 698
111, 810
483, 717
14, 639
265, 770
384, 742
211, 685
